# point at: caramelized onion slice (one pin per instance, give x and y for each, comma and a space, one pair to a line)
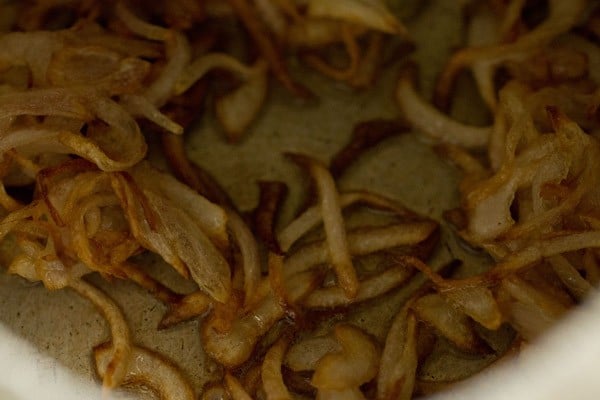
175, 234
267, 46
233, 347
190, 306
485, 59
147, 370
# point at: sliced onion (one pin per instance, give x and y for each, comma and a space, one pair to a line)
372, 14
233, 347
169, 231
570, 277
531, 311
361, 242
237, 110
312, 216
477, 302
250, 255
333, 223
121, 353
433, 123
398, 368
329, 297
354, 365
211, 217
265, 44
138, 26
147, 369
235, 388
562, 17
190, 306
272, 378
140, 106
448, 321
306, 353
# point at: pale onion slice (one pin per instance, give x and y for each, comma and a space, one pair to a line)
333, 223
41, 136
272, 377
355, 364
374, 286
205, 63
250, 253
140, 106
178, 58
373, 14
339, 73
312, 217
398, 367
570, 277
530, 311
119, 356
436, 125
238, 109
147, 370
361, 242
306, 353
315, 32
139, 26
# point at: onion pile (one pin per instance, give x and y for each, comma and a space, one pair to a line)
83, 85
